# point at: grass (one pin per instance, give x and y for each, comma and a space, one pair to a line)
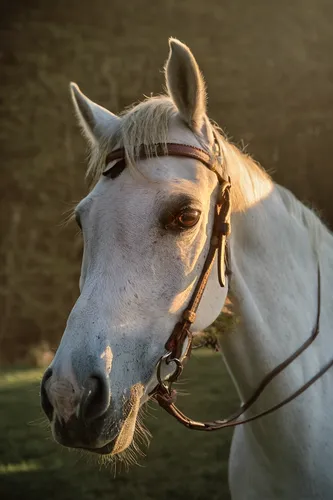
179, 463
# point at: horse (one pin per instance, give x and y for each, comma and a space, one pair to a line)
148, 231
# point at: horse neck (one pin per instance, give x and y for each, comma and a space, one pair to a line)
273, 286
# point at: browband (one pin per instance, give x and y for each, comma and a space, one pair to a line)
169, 149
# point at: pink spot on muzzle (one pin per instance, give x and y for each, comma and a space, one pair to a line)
63, 397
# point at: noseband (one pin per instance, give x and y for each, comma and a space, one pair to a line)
176, 352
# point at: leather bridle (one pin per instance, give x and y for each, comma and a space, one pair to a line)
176, 353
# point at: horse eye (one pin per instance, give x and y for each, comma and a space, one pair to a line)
186, 219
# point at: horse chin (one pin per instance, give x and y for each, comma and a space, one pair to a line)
125, 436
104, 450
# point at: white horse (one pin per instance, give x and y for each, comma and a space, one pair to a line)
146, 236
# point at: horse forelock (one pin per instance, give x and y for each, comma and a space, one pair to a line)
145, 123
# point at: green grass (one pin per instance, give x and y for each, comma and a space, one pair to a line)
179, 463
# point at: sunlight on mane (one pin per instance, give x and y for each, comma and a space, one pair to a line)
148, 123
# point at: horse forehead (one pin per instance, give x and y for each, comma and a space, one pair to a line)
161, 176
173, 171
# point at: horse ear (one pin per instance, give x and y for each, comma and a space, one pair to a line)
185, 84
96, 121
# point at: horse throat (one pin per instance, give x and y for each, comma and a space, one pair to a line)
274, 290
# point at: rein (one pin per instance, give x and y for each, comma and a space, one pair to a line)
163, 392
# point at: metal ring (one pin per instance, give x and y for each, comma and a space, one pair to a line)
178, 371
179, 368
158, 371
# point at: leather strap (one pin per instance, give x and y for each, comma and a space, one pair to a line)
170, 149
221, 229
166, 397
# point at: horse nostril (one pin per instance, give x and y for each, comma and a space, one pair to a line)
96, 397
45, 402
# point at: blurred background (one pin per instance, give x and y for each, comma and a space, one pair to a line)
269, 72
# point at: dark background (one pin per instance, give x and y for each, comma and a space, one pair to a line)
269, 71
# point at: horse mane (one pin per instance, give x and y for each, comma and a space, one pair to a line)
147, 123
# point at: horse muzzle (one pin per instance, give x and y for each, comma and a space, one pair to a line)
89, 419
79, 419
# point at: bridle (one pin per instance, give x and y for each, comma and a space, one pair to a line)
176, 352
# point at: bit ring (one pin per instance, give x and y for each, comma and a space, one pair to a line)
167, 358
